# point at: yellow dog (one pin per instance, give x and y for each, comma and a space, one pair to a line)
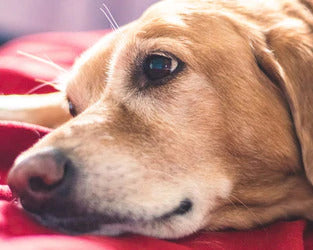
197, 115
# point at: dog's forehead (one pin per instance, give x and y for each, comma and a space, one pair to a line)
185, 21
166, 11
158, 29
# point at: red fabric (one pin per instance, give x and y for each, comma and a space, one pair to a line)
18, 231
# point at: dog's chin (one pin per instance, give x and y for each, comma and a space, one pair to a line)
116, 225
69, 225
91, 226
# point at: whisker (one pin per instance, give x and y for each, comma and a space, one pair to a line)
108, 18
39, 59
44, 83
112, 18
248, 209
162, 173
47, 82
50, 60
233, 203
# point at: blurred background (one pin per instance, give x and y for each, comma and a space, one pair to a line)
21, 17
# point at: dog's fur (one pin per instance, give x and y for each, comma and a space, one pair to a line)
232, 132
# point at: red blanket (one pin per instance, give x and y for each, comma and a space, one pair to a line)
18, 231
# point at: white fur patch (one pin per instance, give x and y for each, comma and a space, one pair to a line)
176, 20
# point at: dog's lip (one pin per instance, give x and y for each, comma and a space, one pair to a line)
92, 222
70, 225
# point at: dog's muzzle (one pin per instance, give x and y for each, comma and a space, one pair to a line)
44, 183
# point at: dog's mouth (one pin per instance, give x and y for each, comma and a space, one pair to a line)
90, 223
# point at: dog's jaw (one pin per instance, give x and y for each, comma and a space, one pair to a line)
188, 216
175, 226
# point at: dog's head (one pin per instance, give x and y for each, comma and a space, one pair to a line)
184, 119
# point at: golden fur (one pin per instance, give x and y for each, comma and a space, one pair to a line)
233, 132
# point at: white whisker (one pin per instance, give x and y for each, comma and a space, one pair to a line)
39, 59
248, 209
50, 60
44, 83
108, 18
112, 18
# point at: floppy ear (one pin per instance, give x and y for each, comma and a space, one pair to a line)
287, 59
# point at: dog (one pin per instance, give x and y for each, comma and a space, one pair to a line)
198, 115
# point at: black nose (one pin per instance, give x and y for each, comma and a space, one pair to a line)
39, 177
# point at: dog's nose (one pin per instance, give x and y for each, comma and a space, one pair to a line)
37, 178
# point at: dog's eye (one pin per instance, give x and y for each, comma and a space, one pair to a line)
157, 66
71, 108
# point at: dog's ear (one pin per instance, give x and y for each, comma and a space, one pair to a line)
287, 59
